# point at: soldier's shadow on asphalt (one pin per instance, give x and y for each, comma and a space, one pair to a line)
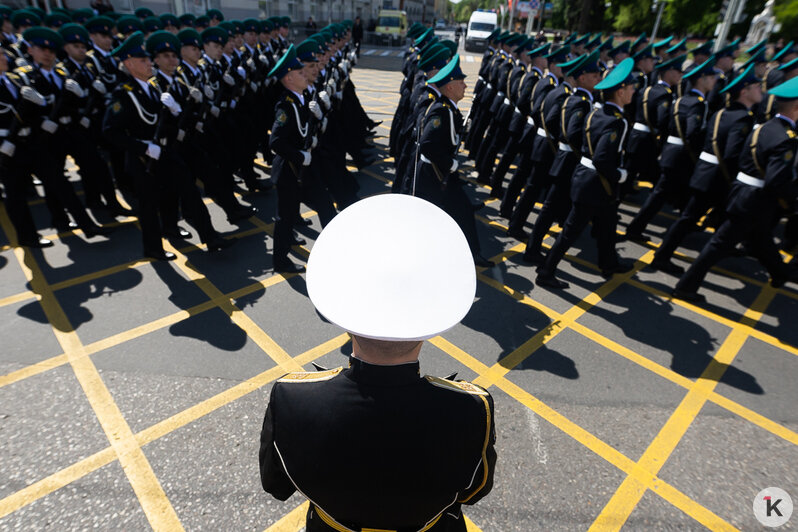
3, 261
72, 299
691, 346
511, 325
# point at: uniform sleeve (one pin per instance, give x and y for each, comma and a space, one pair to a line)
663, 113
735, 145
606, 154
482, 482
115, 123
436, 144
283, 140
780, 170
575, 126
273, 477
694, 130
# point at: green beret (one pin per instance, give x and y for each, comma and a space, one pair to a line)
129, 24
132, 47
189, 37
24, 17
214, 14
74, 33
168, 19
152, 24
162, 41
56, 20
215, 34
144, 12
43, 38
100, 25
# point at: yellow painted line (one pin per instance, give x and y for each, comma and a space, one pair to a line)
154, 502
587, 439
293, 521
86, 466
17, 298
628, 495
33, 369
470, 526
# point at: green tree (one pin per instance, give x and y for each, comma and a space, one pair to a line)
786, 12
630, 16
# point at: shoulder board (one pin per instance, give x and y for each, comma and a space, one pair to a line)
311, 376
12, 75
700, 98
127, 86
153, 81
457, 386
91, 52
25, 69
61, 70
791, 133
618, 115
444, 104
202, 62
289, 99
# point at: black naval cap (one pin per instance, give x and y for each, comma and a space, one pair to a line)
189, 37
43, 38
73, 33
132, 47
162, 41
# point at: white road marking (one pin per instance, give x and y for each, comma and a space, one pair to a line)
469, 58
369, 52
537, 441
386, 52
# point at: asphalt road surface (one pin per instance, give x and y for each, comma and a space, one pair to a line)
132, 392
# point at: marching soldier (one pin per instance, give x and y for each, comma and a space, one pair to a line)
716, 167
595, 183
399, 424
724, 63
764, 186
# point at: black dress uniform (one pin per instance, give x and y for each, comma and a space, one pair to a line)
765, 182
652, 115
418, 447
593, 192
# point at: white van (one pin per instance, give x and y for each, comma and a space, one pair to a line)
480, 25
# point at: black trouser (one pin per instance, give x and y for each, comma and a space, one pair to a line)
698, 204
497, 139
668, 188
94, 172
15, 181
509, 153
755, 230
217, 185
556, 206
604, 220
181, 191
288, 196
538, 181
315, 193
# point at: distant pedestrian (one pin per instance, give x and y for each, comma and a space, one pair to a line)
357, 34
310, 27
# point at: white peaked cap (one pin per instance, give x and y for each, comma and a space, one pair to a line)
392, 267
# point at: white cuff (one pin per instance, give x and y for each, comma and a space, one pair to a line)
7, 148
455, 164
624, 175
49, 126
153, 151
306, 156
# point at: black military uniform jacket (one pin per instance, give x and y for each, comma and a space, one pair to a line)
652, 114
716, 99
726, 133
769, 156
523, 103
602, 147
573, 114
289, 133
379, 447
17, 116
687, 125
131, 121
104, 67
440, 140
549, 120
538, 95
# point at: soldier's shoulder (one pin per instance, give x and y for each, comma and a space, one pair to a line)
461, 387
23, 69
300, 377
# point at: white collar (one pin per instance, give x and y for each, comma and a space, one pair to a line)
170, 79
229, 58
46, 71
193, 70
144, 85
251, 49
301, 98
100, 51
790, 121
79, 65
451, 102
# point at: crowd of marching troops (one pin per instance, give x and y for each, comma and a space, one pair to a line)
161, 110
586, 120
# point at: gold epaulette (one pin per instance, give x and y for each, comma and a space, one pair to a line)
24, 69
289, 99
61, 70
311, 376
153, 81
456, 386
127, 86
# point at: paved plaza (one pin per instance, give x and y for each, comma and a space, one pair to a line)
132, 392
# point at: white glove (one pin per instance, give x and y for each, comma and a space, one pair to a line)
215, 111
195, 94
74, 87
263, 59
624, 175
181, 134
200, 127
324, 124
253, 86
325, 99
336, 75
169, 101
208, 92
315, 108
315, 142
241, 72
85, 122
49, 126
233, 104
339, 95
99, 86
251, 64
306, 156
229, 79
455, 164
330, 87
7, 148
32, 95
153, 151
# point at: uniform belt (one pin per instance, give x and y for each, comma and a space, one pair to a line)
750, 180
641, 127
335, 525
517, 110
507, 101
530, 121
65, 120
489, 86
4, 133
500, 94
542, 133
565, 147
675, 140
23, 132
584, 161
708, 157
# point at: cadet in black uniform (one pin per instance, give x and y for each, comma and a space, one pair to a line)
288, 141
775, 75
594, 187
419, 447
764, 184
437, 179
716, 167
724, 63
